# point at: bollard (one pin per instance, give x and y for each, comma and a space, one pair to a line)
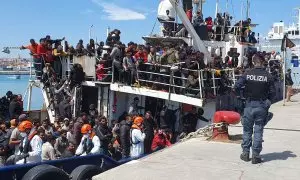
222, 119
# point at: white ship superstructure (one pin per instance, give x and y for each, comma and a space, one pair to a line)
279, 29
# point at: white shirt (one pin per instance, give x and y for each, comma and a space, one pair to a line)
137, 137
95, 150
36, 154
48, 152
133, 109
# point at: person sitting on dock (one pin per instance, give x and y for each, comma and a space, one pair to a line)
61, 143
69, 151
48, 151
46, 126
160, 141
90, 142
31, 146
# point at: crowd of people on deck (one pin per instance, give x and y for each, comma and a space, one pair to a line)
26, 140
209, 28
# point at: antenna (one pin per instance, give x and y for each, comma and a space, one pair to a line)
248, 9
107, 31
298, 16
217, 8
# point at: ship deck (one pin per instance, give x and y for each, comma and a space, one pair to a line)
200, 159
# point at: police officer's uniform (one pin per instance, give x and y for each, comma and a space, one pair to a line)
259, 90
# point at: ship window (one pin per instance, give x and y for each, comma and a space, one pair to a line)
297, 32
290, 32
293, 32
276, 29
280, 29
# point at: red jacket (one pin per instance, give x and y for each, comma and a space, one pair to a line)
189, 14
49, 56
160, 142
142, 55
41, 51
209, 23
100, 72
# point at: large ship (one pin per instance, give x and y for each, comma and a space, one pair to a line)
274, 37
112, 98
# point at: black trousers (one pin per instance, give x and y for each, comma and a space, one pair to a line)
148, 143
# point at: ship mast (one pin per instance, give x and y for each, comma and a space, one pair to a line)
298, 9
248, 9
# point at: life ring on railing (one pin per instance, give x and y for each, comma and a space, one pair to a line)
45, 172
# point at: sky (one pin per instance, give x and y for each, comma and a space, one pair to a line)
22, 20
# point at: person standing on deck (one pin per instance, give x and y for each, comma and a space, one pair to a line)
149, 126
259, 90
33, 52
134, 107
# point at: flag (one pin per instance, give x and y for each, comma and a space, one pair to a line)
288, 43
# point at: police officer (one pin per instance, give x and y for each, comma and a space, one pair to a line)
259, 90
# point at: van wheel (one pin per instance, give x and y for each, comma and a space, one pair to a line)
45, 172
85, 172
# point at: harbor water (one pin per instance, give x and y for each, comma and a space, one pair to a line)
19, 86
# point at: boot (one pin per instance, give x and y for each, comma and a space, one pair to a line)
245, 156
256, 159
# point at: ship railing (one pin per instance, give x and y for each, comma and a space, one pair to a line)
174, 79
66, 65
38, 67
236, 31
107, 76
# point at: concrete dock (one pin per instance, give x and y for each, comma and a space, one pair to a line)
206, 160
